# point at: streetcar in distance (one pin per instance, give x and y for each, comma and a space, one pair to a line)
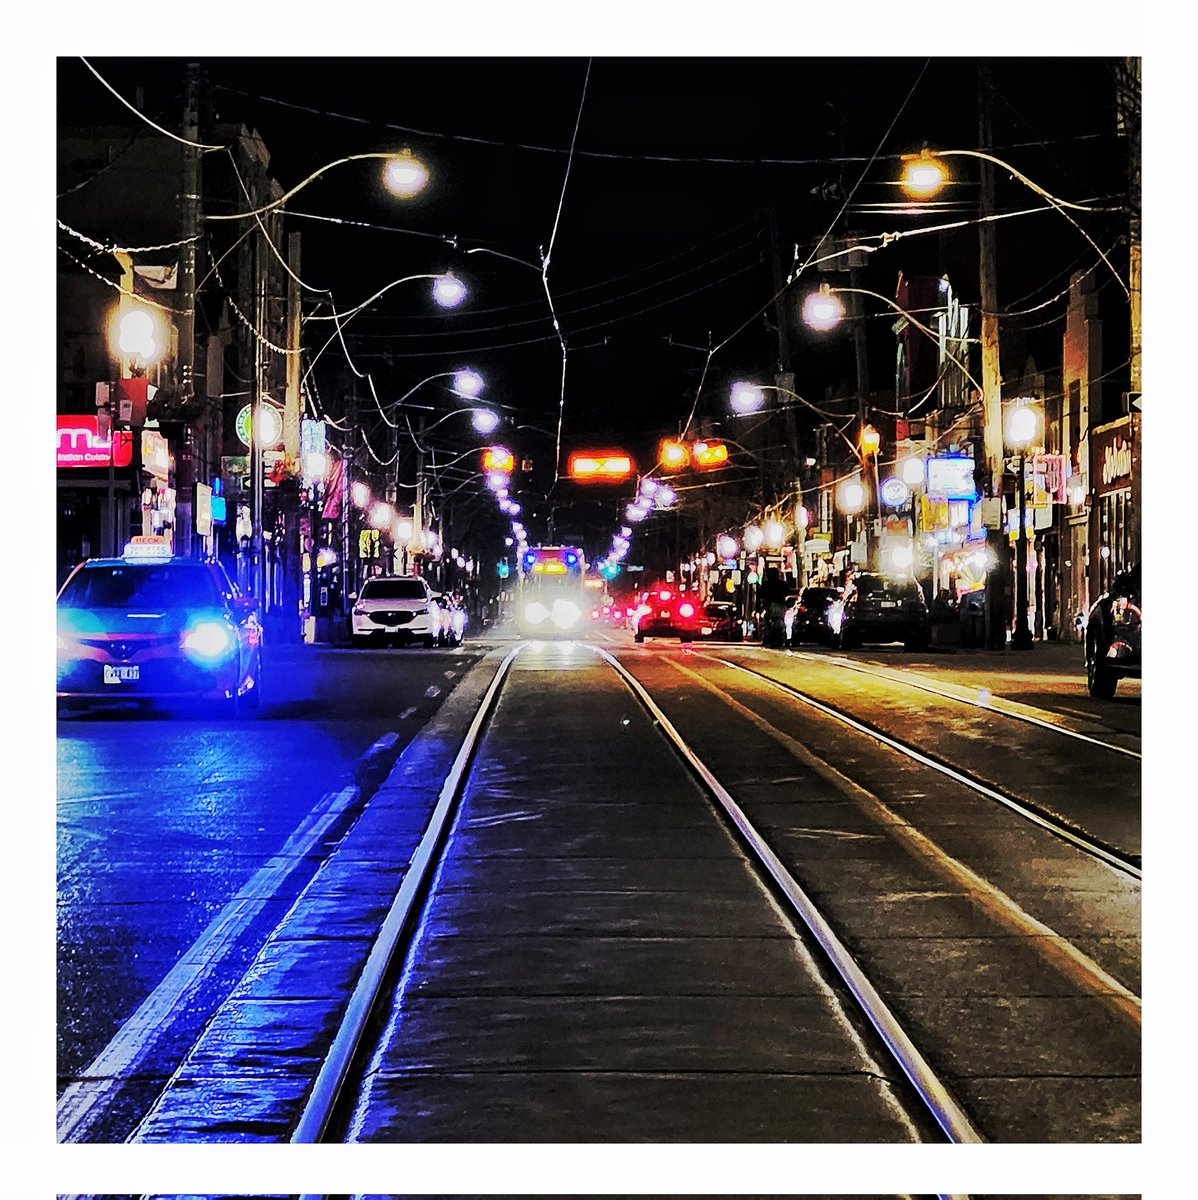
550, 595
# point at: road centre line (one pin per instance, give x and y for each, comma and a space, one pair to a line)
1057, 951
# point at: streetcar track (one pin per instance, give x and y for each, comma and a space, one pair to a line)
322, 1117
994, 704
944, 1108
1053, 949
1075, 836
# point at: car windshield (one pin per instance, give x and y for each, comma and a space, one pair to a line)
136, 586
820, 596
393, 589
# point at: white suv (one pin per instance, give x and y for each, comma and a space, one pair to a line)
398, 607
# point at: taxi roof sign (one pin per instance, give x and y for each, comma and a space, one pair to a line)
147, 546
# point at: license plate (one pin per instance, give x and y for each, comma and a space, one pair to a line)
890, 604
121, 674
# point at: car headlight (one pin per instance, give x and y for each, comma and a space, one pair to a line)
209, 639
565, 613
535, 612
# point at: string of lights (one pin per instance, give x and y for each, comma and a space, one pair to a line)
112, 248
258, 334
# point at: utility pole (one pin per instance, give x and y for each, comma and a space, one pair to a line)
857, 316
189, 207
418, 502
257, 565
290, 558
998, 577
1128, 106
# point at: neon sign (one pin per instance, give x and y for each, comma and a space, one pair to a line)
80, 444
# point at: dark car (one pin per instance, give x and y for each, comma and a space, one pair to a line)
810, 618
1113, 635
665, 613
878, 608
153, 628
719, 622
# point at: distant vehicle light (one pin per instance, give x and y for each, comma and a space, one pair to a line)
565, 613
686, 610
664, 594
208, 639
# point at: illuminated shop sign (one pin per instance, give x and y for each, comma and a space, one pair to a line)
950, 477
80, 444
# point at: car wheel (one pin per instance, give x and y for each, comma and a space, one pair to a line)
1100, 683
360, 640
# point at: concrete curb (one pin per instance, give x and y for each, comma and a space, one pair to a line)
249, 1073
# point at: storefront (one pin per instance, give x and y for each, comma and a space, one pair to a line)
1114, 523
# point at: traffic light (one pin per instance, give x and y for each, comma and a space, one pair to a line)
709, 454
673, 456
499, 458
599, 466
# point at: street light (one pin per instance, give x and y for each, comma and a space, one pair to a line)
822, 310
746, 398
405, 175
850, 496
484, 420
448, 290
1022, 426
923, 175
468, 382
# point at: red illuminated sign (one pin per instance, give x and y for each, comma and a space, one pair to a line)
80, 444
602, 465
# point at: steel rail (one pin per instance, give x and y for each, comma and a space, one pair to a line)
987, 706
325, 1091
936, 1096
1112, 858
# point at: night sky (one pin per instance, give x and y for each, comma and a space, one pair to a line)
663, 245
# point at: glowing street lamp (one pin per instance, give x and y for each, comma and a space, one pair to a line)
448, 290
484, 420
468, 383
382, 516
137, 336
850, 496
774, 534
822, 310
726, 546
753, 538
746, 398
360, 493
404, 174
1021, 428
923, 175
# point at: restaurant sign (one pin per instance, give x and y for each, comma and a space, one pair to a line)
1110, 457
81, 445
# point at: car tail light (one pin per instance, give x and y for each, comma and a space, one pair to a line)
686, 610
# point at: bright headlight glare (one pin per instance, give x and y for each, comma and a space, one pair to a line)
535, 612
565, 613
208, 639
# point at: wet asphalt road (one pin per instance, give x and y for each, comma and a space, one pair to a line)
972, 922
162, 818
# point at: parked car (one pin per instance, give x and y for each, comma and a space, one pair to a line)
1113, 635
395, 608
153, 628
665, 613
719, 622
878, 608
811, 617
